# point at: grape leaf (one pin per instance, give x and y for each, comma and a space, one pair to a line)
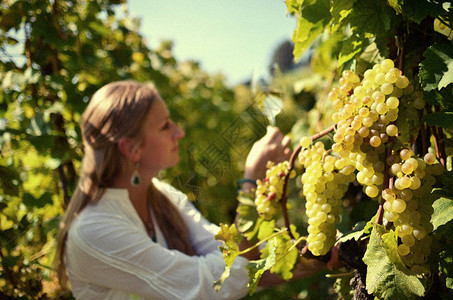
443, 212
258, 267
418, 10
230, 238
360, 229
369, 17
440, 119
340, 10
385, 277
397, 5
443, 97
247, 220
315, 17
285, 260
436, 70
349, 49
446, 264
266, 229
293, 6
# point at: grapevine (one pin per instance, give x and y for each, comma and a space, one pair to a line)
385, 152
370, 148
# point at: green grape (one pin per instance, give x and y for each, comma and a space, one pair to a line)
375, 141
386, 65
402, 82
269, 190
430, 158
392, 102
387, 88
391, 130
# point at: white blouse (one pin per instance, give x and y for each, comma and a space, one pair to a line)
110, 256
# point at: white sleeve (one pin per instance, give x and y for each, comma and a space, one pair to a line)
114, 253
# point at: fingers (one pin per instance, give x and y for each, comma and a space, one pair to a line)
273, 133
334, 263
286, 141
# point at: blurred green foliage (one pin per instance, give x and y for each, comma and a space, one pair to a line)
55, 55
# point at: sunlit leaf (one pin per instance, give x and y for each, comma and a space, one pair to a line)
230, 238
443, 212
386, 278
315, 17
258, 267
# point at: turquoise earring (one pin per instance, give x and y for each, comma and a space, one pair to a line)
135, 178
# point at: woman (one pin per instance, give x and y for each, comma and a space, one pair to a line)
126, 233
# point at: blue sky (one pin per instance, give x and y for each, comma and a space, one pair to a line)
234, 37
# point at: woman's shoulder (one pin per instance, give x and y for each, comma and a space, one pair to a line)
112, 216
174, 194
113, 208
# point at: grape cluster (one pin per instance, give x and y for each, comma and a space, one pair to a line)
366, 114
408, 205
269, 190
325, 181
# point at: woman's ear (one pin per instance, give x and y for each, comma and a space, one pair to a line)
129, 148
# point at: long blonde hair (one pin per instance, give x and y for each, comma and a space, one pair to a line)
115, 111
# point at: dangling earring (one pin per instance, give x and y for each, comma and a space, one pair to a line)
135, 178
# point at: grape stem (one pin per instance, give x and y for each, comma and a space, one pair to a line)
263, 241
386, 184
292, 162
438, 139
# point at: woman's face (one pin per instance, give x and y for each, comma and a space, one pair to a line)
159, 149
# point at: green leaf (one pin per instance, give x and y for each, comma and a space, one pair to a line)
30, 201
99, 28
230, 238
340, 10
360, 229
443, 212
417, 11
293, 6
449, 283
446, 262
258, 267
314, 19
285, 259
440, 119
350, 48
436, 70
247, 220
397, 5
443, 97
369, 17
266, 229
385, 277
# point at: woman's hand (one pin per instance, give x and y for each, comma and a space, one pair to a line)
273, 146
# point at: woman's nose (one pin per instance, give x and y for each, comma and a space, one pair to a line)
179, 133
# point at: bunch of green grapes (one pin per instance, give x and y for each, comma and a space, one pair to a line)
325, 181
365, 114
269, 190
408, 205
368, 115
